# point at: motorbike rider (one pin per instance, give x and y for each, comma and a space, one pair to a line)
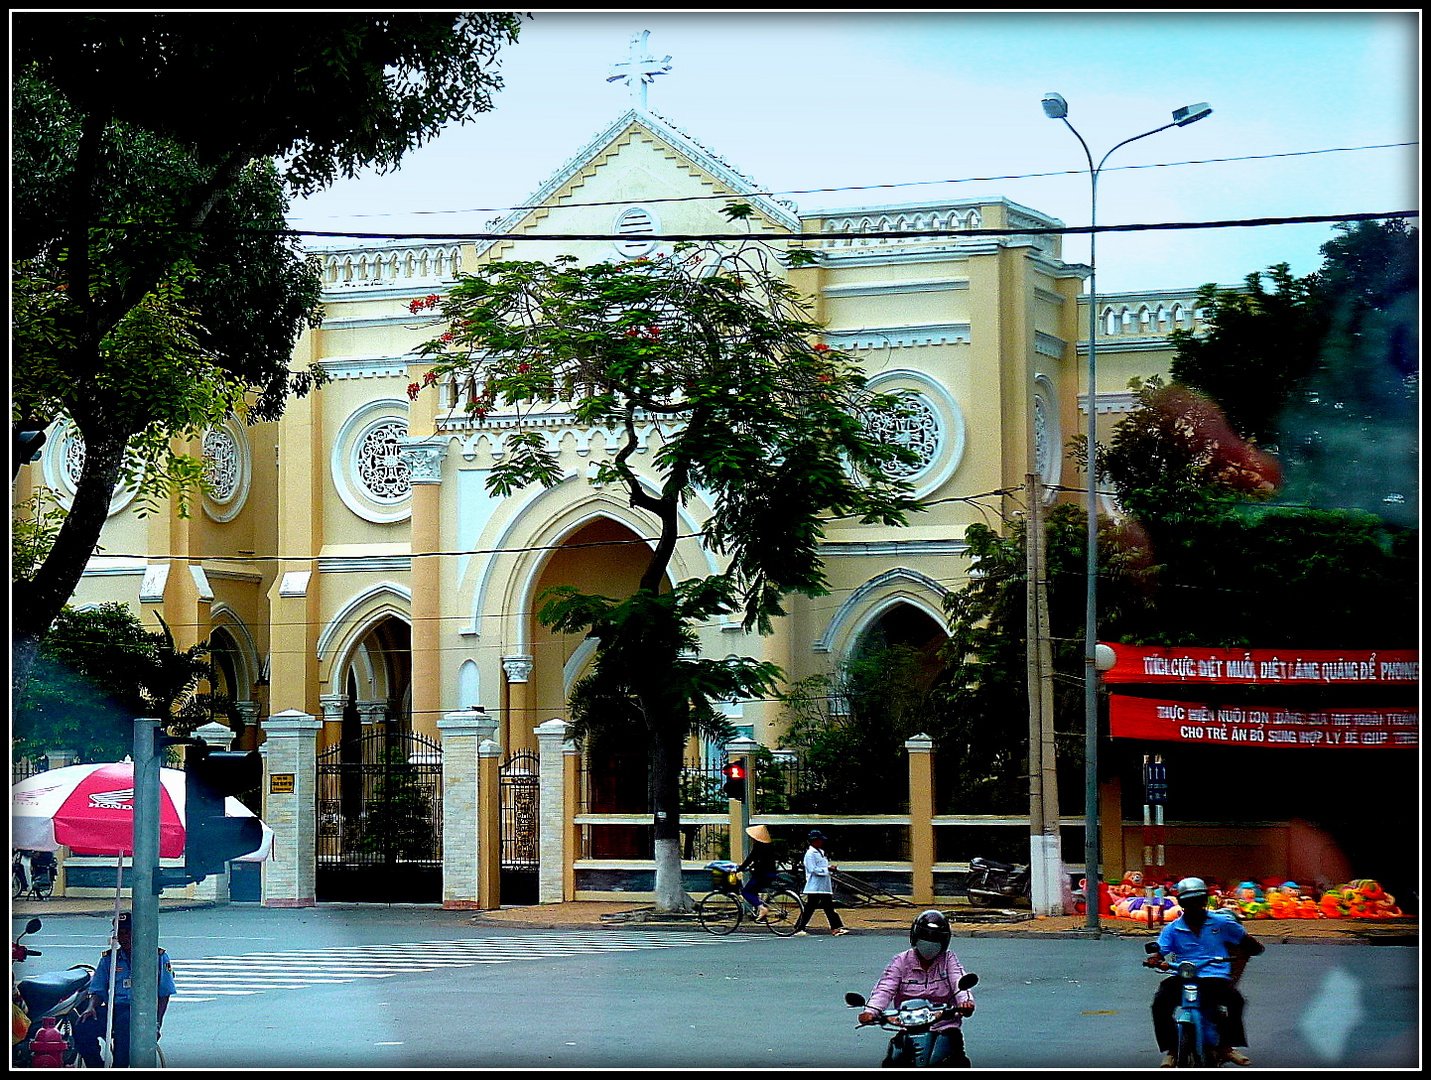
1197, 935
928, 969
90, 1029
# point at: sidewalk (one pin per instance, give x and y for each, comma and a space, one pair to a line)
887, 919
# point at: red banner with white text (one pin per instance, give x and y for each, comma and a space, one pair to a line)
1244, 725
1190, 666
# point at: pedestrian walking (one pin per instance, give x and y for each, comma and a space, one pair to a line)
90, 1029
819, 887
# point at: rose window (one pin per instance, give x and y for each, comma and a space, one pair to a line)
381, 469
918, 431
221, 464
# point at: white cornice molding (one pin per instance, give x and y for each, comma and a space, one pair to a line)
884, 337
888, 288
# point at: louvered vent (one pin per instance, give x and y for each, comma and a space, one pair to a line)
634, 226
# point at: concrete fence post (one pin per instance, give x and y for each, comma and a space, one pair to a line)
551, 811
461, 734
489, 825
290, 807
921, 818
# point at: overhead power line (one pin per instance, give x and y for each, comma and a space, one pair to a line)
887, 187
1060, 230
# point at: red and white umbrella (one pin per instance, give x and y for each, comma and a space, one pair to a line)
90, 810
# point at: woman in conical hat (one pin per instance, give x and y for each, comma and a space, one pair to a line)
761, 864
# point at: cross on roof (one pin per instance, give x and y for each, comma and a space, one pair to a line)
638, 69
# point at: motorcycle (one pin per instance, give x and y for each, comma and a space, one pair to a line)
912, 1022
57, 994
32, 874
1197, 1026
996, 884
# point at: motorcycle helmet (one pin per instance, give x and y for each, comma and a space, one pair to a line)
930, 934
1192, 892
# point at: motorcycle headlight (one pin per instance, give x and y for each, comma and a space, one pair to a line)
917, 1017
1187, 970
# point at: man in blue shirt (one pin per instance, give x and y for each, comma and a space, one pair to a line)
90, 1028
1198, 935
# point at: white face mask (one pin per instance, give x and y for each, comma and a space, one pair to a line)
928, 949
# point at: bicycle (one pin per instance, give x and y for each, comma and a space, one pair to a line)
722, 910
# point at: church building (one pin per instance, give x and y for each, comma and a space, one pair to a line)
349, 562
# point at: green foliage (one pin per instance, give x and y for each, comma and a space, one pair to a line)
1324, 371
849, 731
34, 526
404, 827
97, 671
331, 92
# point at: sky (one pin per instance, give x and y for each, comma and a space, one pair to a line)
893, 107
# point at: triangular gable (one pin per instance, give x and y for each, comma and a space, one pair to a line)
778, 215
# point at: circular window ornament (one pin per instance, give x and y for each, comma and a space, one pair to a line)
933, 429
635, 228
381, 470
367, 465
919, 431
62, 463
227, 467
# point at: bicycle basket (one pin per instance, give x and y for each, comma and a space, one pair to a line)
723, 875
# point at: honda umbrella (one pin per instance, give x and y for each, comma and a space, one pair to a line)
90, 810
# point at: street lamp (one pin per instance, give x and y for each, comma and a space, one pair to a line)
1056, 108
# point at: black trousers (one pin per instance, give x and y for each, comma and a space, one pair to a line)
824, 901
1214, 993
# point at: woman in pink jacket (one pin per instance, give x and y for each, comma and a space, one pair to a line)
928, 970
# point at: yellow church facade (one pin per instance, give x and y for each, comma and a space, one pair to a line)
349, 563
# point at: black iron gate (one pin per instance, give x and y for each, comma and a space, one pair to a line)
380, 820
519, 786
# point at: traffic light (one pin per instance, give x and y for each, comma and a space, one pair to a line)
210, 838
26, 439
734, 788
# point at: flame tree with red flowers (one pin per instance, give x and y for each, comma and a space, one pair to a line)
774, 432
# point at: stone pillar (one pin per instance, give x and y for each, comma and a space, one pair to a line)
461, 732
489, 825
424, 461
333, 706
290, 807
247, 733
370, 713
921, 818
516, 717
571, 848
551, 811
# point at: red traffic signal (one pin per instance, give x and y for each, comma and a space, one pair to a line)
734, 787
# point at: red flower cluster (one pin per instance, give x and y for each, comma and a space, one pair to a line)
822, 347
413, 389
651, 333
430, 301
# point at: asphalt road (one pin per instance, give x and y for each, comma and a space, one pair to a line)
383, 988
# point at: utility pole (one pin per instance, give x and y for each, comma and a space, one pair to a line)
144, 899
1048, 883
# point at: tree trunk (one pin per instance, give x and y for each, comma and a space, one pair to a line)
667, 749
39, 601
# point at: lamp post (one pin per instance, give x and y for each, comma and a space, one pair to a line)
1056, 108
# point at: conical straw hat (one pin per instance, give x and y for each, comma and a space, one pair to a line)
758, 833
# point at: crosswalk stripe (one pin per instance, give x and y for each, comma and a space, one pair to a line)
253, 973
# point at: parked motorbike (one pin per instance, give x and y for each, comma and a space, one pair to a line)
55, 993
912, 1022
32, 874
1197, 1025
996, 884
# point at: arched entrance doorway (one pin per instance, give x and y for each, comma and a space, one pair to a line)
607, 558
379, 782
